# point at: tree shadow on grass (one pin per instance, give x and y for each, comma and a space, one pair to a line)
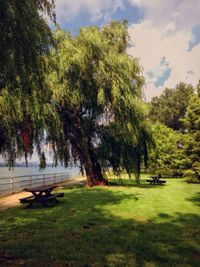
195, 199
83, 231
132, 183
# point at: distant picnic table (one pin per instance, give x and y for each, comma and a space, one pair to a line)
156, 180
42, 195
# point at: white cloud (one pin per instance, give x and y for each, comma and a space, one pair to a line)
183, 13
67, 9
164, 32
151, 44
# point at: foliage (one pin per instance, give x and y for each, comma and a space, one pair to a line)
42, 161
192, 123
167, 157
122, 150
170, 107
190, 176
25, 38
96, 90
180, 110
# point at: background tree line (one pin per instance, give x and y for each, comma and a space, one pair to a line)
176, 114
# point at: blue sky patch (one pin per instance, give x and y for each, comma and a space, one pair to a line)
196, 37
130, 13
83, 19
160, 73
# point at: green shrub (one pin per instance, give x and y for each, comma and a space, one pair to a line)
191, 176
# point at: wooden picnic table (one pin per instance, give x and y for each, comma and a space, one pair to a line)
41, 195
156, 180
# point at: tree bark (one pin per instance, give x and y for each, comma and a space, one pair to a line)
89, 172
93, 169
96, 167
89, 160
83, 145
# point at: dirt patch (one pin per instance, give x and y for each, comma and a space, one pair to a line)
13, 200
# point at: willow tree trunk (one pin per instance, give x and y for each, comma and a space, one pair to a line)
79, 137
89, 172
97, 168
89, 160
93, 169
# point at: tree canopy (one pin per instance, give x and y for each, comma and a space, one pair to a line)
77, 98
25, 38
96, 91
168, 155
192, 149
177, 147
170, 107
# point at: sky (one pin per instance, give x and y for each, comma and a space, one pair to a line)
164, 35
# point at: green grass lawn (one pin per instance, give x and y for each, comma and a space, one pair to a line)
122, 225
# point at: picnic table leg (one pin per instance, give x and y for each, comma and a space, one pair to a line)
29, 205
49, 194
39, 198
43, 197
53, 200
44, 203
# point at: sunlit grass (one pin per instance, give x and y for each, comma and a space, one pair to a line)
122, 225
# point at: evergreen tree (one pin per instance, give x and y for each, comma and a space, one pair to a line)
170, 107
175, 150
192, 123
167, 156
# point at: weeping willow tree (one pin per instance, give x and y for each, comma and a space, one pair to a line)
96, 92
124, 150
25, 38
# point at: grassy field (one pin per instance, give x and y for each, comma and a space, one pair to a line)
122, 225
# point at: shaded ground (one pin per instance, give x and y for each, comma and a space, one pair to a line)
111, 226
13, 200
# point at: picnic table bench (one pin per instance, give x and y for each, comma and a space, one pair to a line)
156, 180
41, 195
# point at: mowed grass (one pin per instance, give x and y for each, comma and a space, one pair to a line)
121, 225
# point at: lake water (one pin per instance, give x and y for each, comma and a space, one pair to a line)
15, 180
18, 171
